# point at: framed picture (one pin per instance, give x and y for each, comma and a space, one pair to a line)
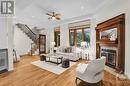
110, 34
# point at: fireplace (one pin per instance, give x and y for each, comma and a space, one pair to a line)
110, 54
110, 42
3, 60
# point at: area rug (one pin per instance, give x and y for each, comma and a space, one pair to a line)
54, 68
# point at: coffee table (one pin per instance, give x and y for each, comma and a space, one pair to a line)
58, 59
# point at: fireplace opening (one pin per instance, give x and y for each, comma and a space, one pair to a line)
110, 54
3, 60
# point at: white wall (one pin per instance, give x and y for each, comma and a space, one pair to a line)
3, 33
127, 70
10, 28
110, 11
93, 40
6, 36
64, 35
51, 34
22, 43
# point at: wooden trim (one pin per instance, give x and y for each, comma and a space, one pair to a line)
82, 34
56, 33
69, 37
56, 30
75, 38
79, 27
119, 23
44, 44
111, 22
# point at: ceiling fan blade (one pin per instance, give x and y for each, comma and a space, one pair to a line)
49, 14
54, 15
58, 14
58, 18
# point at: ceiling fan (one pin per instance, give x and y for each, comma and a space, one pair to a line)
53, 15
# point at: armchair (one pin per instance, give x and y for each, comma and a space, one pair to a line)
91, 72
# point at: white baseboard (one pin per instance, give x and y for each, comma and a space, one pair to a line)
128, 75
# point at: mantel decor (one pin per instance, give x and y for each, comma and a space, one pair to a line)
110, 42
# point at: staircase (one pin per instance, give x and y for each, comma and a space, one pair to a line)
34, 47
33, 36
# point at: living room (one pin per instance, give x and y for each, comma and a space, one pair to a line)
86, 14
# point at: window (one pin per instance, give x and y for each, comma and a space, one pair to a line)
87, 36
79, 35
72, 38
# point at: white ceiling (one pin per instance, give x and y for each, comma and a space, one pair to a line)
32, 12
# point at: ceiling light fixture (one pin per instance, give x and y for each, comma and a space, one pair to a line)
53, 17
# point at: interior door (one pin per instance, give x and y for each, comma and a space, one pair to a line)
42, 44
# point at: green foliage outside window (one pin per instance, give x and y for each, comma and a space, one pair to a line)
79, 37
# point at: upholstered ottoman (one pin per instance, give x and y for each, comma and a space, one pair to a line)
65, 63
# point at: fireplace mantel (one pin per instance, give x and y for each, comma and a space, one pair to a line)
111, 33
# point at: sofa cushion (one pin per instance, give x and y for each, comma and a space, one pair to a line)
68, 50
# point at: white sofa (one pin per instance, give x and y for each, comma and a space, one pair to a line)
74, 55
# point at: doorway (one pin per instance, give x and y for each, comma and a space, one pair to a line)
57, 36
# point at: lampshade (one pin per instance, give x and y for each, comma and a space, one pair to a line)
83, 43
53, 43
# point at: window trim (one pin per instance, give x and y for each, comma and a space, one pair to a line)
75, 33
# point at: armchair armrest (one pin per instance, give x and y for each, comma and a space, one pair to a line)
81, 68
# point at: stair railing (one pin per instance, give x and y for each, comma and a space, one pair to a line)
31, 35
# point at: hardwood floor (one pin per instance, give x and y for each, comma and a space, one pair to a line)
26, 74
